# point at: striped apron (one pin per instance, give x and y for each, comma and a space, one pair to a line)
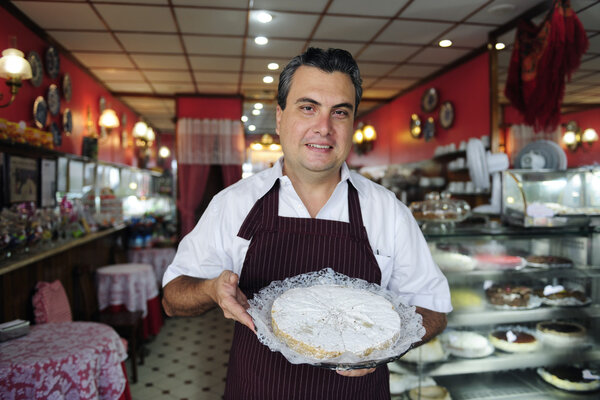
281, 247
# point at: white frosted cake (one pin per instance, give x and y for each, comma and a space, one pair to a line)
325, 321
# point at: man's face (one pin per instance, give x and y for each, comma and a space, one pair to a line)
315, 129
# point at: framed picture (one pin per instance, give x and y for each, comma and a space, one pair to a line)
48, 184
62, 174
23, 179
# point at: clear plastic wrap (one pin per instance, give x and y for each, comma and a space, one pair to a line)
260, 309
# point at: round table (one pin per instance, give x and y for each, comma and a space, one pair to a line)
131, 286
64, 360
158, 257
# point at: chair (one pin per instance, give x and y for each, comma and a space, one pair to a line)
50, 303
128, 324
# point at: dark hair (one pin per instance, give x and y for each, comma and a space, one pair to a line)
329, 60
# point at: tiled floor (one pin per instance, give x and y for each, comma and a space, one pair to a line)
187, 360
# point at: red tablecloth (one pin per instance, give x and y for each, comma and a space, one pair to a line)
66, 360
159, 258
132, 287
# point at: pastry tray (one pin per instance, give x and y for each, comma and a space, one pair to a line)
260, 310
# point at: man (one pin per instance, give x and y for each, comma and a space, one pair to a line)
305, 213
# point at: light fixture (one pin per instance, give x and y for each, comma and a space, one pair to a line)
256, 111
273, 66
264, 17
252, 128
363, 139
266, 142
109, 119
445, 43
244, 118
164, 152
574, 137
268, 79
500, 46
139, 129
258, 106
261, 40
14, 68
144, 137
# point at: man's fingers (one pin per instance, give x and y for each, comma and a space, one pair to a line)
356, 372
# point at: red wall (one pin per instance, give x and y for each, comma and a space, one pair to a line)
209, 107
86, 93
467, 86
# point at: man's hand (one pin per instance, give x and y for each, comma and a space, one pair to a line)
356, 372
231, 299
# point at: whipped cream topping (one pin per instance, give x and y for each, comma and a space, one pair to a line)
338, 319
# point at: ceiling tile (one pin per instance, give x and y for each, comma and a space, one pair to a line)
438, 55
216, 88
393, 83
348, 28
172, 88
402, 31
129, 87
595, 42
114, 75
374, 69
168, 76
92, 60
260, 65
55, 15
197, 45
413, 71
499, 13
275, 48
250, 79
160, 62
385, 8
202, 63
144, 103
385, 52
211, 3
590, 62
353, 48
150, 43
472, 36
157, 2
590, 17
86, 41
216, 77
139, 18
454, 10
283, 25
305, 5
213, 22
380, 93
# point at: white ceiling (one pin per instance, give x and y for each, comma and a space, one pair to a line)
147, 51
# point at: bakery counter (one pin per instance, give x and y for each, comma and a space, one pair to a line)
480, 275
490, 316
500, 361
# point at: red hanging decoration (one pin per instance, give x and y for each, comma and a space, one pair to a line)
543, 57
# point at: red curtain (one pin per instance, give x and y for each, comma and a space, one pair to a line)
231, 174
192, 180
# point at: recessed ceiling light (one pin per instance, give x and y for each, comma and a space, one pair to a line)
252, 128
273, 66
445, 43
261, 40
268, 79
255, 112
244, 118
258, 106
264, 17
500, 46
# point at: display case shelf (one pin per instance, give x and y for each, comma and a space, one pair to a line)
547, 356
494, 317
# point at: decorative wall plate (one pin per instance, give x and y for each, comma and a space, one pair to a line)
416, 128
37, 69
429, 100
40, 112
56, 134
53, 99
66, 87
429, 129
52, 62
447, 114
67, 122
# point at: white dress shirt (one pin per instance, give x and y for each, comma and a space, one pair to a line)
397, 242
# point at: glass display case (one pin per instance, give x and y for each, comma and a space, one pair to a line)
525, 302
551, 198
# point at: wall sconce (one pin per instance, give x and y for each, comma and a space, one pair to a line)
144, 136
14, 68
364, 138
109, 119
164, 152
573, 137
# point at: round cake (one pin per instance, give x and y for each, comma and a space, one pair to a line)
561, 333
499, 261
325, 321
570, 378
449, 261
513, 340
431, 351
467, 344
548, 262
509, 295
429, 393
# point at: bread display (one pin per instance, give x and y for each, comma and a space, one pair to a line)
325, 321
